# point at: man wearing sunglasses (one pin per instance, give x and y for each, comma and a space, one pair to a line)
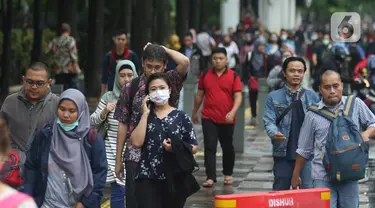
30, 108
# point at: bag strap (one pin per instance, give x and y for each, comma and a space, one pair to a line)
15, 199
324, 113
133, 91
286, 111
349, 106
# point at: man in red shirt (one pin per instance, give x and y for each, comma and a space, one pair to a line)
222, 92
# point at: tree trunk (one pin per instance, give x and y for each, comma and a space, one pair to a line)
142, 33
38, 31
67, 13
6, 57
125, 13
194, 14
95, 49
162, 8
204, 14
182, 17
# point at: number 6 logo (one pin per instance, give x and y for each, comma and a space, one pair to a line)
345, 27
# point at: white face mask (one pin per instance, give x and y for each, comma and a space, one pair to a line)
160, 97
284, 37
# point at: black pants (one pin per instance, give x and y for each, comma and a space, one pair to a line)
68, 80
253, 97
155, 194
211, 133
130, 168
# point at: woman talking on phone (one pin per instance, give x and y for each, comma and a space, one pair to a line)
158, 125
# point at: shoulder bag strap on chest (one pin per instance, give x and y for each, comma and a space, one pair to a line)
349, 106
322, 112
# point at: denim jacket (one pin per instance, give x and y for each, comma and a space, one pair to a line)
277, 102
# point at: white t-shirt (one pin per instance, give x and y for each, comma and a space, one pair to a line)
204, 42
6, 191
231, 50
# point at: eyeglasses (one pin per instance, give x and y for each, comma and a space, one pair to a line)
36, 83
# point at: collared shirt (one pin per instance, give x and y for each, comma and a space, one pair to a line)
315, 130
132, 116
22, 117
218, 94
188, 51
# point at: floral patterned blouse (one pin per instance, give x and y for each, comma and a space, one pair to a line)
175, 123
132, 116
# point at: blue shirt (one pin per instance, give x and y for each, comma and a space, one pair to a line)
177, 123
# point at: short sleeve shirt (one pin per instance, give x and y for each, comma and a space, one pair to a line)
218, 94
176, 123
132, 116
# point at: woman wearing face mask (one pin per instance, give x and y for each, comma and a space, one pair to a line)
247, 47
274, 45
66, 165
159, 123
103, 118
9, 197
275, 79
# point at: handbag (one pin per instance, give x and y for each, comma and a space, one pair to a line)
253, 80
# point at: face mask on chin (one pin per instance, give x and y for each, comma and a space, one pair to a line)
160, 97
67, 127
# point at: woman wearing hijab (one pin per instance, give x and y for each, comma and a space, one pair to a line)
103, 116
257, 65
10, 197
66, 164
275, 79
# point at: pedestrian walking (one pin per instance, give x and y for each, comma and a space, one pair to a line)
221, 89
129, 108
160, 131
283, 116
108, 126
66, 165
320, 132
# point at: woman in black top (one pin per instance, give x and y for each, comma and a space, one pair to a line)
159, 121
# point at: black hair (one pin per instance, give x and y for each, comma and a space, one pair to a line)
125, 66
159, 75
219, 50
291, 59
38, 66
188, 34
155, 52
65, 27
119, 32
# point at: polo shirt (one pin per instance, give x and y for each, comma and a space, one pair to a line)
218, 94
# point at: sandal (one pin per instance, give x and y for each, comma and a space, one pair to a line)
228, 181
208, 184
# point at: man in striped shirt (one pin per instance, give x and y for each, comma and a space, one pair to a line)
315, 131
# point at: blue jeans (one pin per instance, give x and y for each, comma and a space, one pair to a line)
117, 195
283, 172
343, 195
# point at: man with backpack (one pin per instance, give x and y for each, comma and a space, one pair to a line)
222, 92
128, 110
331, 136
120, 52
283, 116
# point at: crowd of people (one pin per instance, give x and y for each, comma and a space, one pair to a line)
141, 142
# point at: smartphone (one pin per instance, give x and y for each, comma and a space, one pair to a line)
148, 103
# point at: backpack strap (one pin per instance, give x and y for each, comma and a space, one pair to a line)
349, 106
91, 136
324, 113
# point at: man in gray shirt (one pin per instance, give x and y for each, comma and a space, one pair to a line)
314, 132
30, 108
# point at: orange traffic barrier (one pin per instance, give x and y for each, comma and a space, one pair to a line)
303, 198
